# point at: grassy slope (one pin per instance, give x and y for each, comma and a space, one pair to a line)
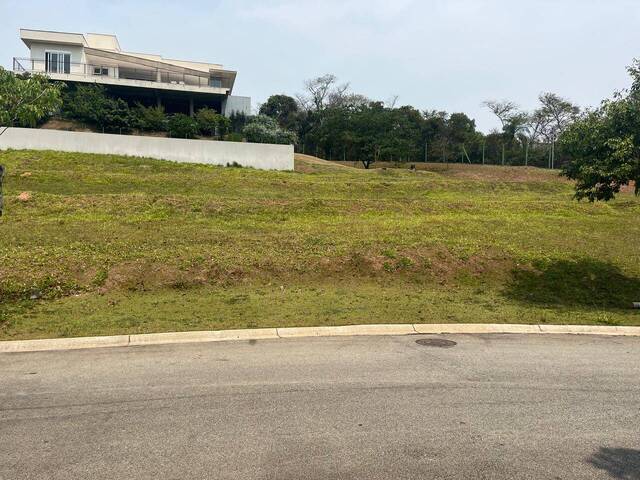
113, 245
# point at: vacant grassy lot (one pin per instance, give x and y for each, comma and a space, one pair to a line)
108, 244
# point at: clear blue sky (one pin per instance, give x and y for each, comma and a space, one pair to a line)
433, 54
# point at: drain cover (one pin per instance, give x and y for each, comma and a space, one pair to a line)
436, 342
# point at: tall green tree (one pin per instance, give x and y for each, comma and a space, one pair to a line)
27, 99
282, 108
604, 145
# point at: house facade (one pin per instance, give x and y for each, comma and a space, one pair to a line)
179, 86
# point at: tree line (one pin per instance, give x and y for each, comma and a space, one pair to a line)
599, 148
331, 122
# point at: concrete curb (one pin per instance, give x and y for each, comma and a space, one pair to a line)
435, 328
63, 344
386, 329
17, 346
196, 337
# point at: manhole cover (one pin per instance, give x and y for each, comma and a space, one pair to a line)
436, 342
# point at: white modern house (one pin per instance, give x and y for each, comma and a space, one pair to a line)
178, 85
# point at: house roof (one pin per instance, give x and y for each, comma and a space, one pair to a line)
108, 43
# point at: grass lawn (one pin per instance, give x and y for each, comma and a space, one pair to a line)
109, 244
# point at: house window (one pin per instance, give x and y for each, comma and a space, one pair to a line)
57, 62
215, 82
100, 71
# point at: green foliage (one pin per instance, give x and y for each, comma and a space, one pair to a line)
234, 137
283, 109
224, 125
85, 103
182, 126
150, 118
116, 116
27, 99
90, 104
374, 132
263, 129
238, 121
211, 123
604, 145
333, 123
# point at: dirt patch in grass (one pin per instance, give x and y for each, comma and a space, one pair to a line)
310, 164
61, 124
631, 188
146, 275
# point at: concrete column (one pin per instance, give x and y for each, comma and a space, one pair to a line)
191, 112
158, 100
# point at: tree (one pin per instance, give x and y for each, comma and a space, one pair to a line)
605, 146
282, 108
322, 92
504, 110
558, 112
263, 129
27, 99
510, 117
534, 127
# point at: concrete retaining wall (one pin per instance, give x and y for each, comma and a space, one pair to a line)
256, 155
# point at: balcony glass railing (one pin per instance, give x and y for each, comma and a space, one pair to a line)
155, 75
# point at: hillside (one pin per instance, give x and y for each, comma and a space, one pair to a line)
106, 244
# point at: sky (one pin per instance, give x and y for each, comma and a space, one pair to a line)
433, 54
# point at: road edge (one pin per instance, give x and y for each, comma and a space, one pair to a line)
17, 346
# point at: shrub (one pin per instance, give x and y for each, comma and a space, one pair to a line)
90, 104
234, 137
182, 126
224, 125
237, 122
207, 120
211, 123
116, 116
150, 118
263, 129
85, 103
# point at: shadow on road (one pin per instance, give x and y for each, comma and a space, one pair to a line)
622, 463
586, 283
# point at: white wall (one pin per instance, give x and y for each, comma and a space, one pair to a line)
38, 50
237, 104
256, 155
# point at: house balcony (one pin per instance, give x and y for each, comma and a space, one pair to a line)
126, 76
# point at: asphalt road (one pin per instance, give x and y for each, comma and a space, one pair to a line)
492, 406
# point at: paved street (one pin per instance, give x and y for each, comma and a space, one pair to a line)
492, 406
